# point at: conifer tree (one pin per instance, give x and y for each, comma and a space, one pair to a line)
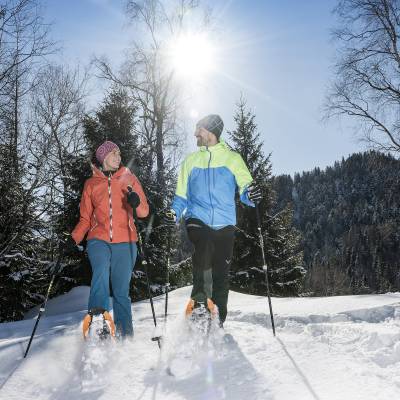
24, 44
281, 241
22, 272
115, 121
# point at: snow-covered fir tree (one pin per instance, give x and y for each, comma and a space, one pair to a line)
281, 240
23, 265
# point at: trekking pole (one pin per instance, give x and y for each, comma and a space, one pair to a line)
143, 257
167, 284
42, 308
265, 267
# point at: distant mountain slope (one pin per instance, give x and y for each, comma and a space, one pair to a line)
349, 216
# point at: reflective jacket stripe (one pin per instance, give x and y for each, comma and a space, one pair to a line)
110, 204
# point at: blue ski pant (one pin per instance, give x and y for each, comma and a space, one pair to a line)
112, 262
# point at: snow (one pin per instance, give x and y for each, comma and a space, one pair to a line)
325, 348
75, 300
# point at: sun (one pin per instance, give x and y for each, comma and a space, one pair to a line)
191, 56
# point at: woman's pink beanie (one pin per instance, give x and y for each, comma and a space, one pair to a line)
104, 149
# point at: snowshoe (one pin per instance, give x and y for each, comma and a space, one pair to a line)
201, 308
187, 351
99, 322
201, 314
98, 330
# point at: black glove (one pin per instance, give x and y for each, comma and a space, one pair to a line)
169, 218
132, 198
254, 193
69, 245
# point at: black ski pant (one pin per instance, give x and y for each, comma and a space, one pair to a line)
211, 262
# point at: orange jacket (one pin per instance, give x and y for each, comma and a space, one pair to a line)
104, 210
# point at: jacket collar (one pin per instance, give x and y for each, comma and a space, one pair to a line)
98, 173
220, 145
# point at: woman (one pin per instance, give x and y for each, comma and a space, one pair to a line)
108, 201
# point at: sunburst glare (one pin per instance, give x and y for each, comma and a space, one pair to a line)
191, 56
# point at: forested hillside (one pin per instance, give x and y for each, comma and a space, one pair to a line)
349, 218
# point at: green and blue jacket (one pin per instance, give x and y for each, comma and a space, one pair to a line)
207, 183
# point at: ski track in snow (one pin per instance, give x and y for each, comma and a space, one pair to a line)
325, 349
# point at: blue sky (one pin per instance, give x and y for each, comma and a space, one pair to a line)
278, 53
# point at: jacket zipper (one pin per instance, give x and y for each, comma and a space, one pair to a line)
110, 204
95, 222
209, 189
129, 224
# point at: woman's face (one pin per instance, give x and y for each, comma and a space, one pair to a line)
112, 160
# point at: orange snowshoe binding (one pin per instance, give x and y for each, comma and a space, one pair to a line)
200, 313
104, 323
207, 305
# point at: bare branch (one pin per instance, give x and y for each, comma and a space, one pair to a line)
367, 87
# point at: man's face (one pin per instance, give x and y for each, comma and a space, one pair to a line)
112, 160
203, 136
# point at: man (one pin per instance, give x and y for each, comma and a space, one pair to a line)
106, 216
205, 197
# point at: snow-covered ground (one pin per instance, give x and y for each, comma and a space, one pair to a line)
325, 348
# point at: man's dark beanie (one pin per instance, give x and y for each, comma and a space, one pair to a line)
213, 123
